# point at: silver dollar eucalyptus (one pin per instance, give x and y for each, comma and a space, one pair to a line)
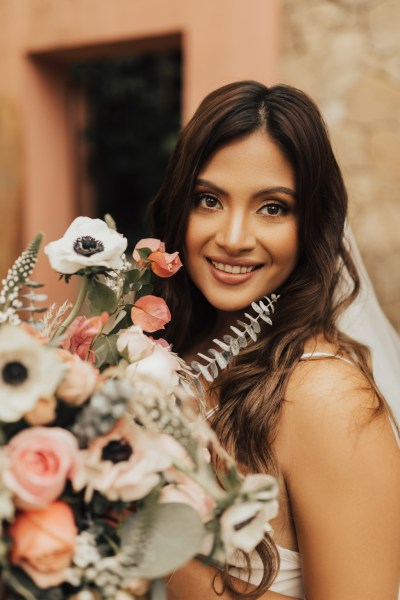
216, 360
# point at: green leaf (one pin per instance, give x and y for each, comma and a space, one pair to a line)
101, 298
146, 277
145, 290
162, 541
105, 350
144, 253
133, 276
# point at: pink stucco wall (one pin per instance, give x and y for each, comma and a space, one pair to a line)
221, 41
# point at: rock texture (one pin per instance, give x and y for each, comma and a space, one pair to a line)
346, 55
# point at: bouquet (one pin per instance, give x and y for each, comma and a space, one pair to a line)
106, 482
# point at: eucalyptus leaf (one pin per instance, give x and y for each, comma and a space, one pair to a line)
101, 298
164, 543
105, 350
158, 590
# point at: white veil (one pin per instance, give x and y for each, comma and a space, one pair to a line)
365, 321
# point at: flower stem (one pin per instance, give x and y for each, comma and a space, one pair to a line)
76, 308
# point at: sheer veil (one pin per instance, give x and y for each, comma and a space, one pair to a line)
365, 321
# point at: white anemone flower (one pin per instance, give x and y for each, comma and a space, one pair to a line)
243, 526
87, 243
28, 371
260, 487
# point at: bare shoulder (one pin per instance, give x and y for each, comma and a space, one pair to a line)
330, 405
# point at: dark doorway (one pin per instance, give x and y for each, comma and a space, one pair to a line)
133, 116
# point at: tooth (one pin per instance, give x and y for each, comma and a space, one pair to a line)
235, 269
220, 266
228, 269
243, 270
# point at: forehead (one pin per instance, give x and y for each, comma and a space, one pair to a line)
255, 161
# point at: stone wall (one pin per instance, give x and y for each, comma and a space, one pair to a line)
346, 55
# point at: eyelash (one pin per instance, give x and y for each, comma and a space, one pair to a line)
284, 210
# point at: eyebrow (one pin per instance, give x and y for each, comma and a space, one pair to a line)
269, 190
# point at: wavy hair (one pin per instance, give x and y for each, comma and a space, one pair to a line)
252, 391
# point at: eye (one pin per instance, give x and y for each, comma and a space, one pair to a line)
273, 209
205, 200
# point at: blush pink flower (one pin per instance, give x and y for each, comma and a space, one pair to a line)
79, 382
151, 313
164, 264
81, 333
135, 343
152, 244
123, 465
161, 365
189, 492
43, 543
39, 462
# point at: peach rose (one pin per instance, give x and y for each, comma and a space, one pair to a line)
151, 313
79, 382
43, 543
43, 412
39, 461
81, 333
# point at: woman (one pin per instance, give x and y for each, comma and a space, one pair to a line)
255, 201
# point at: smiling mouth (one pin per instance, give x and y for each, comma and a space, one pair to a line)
233, 269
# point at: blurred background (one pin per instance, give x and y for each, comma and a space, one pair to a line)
93, 94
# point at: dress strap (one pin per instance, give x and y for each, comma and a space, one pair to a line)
307, 355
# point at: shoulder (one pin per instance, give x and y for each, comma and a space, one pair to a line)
329, 405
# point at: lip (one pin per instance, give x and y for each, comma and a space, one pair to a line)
232, 278
241, 262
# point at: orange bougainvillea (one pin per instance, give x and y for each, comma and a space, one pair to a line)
151, 313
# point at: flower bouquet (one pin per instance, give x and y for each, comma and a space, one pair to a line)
106, 482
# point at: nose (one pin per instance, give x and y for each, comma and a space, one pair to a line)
235, 234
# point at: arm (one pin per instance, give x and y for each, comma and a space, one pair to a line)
342, 465
195, 581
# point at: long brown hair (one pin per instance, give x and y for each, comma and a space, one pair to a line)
252, 392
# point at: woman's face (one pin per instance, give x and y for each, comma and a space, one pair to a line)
242, 235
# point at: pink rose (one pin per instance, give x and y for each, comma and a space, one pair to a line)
43, 543
39, 461
81, 333
164, 264
123, 465
79, 382
151, 313
135, 342
152, 244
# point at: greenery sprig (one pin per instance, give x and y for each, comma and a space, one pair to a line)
216, 360
17, 278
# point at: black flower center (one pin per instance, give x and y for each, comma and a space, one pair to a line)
14, 373
117, 451
87, 245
